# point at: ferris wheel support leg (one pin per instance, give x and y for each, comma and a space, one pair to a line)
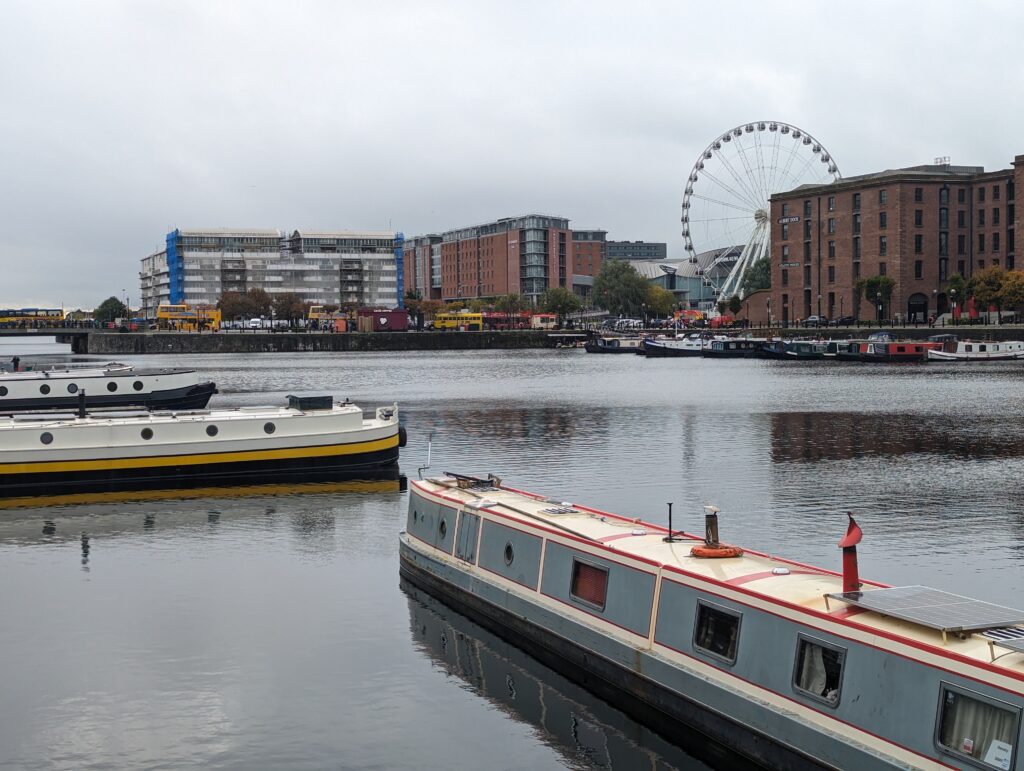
755, 249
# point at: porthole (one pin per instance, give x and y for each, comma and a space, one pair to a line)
269, 428
510, 553
44, 389
415, 515
46, 437
137, 385
147, 433
211, 431
442, 528
72, 388
3, 390
111, 386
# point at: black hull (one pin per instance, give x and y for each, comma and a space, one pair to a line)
194, 397
601, 349
669, 713
309, 469
668, 353
709, 354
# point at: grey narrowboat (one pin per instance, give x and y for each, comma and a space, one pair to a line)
789, 665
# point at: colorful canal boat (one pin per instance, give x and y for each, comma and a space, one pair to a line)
312, 438
977, 350
790, 665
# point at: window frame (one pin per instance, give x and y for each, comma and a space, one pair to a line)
572, 581
738, 615
945, 686
800, 638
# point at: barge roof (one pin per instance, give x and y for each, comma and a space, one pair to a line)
759, 578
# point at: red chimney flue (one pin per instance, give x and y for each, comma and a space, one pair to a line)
851, 580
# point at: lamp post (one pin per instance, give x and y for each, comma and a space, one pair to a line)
878, 298
819, 305
643, 314
952, 299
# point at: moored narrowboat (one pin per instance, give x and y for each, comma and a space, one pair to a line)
733, 348
106, 385
312, 438
977, 350
681, 345
790, 665
613, 344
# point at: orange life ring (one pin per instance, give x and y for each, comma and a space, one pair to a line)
713, 552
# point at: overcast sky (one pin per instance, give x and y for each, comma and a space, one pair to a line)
122, 120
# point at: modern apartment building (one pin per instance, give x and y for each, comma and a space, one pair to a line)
919, 225
637, 250
524, 255
322, 267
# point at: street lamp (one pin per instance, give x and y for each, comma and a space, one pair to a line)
819, 305
952, 299
878, 298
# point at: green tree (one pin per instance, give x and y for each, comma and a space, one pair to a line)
735, 304
619, 289
758, 276
722, 306
289, 306
660, 301
878, 290
511, 303
110, 309
560, 301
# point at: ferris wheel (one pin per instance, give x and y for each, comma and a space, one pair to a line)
725, 220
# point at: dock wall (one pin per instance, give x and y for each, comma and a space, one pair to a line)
287, 342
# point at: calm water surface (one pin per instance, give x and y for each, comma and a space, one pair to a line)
260, 629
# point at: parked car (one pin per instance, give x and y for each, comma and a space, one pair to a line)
814, 321
843, 321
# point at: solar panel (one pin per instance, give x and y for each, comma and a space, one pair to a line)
1011, 637
933, 608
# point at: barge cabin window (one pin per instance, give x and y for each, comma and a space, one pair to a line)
589, 584
977, 729
819, 670
717, 631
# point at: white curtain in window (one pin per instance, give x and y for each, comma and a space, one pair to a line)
970, 726
812, 673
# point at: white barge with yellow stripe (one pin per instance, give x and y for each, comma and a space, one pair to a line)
789, 665
313, 438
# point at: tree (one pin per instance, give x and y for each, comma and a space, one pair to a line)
289, 306
560, 301
1011, 295
234, 305
877, 289
660, 301
758, 276
511, 303
986, 288
259, 302
619, 289
735, 304
110, 309
722, 306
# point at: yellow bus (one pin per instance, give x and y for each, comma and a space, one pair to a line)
31, 317
460, 322
184, 318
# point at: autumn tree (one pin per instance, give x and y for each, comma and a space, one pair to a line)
289, 306
660, 301
260, 302
986, 287
1011, 294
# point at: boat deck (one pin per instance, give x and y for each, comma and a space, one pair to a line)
771, 578
145, 417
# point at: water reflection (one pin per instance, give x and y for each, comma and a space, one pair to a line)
586, 730
810, 437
